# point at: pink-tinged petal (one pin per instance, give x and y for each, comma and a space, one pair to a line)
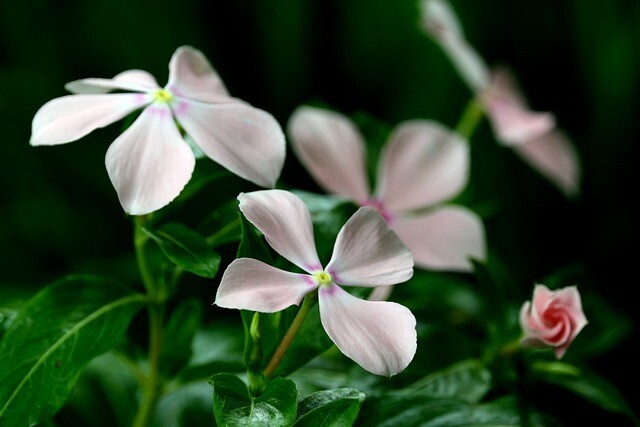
249, 284
367, 253
444, 238
286, 224
332, 149
555, 157
515, 125
71, 117
149, 164
423, 164
380, 336
381, 293
246, 140
192, 76
133, 80
512, 120
440, 22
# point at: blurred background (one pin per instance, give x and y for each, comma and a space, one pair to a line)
579, 59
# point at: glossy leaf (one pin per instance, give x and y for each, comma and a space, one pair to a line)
233, 406
53, 337
326, 408
413, 410
467, 381
586, 384
178, 337
187, 249
222, 226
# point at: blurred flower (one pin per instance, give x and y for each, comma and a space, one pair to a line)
422, 165
552, 318
150, 163
531, 134
380, 336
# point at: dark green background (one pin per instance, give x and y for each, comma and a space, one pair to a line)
579, 58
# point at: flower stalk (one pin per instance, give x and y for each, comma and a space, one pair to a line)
470, 119
151, 384
278, 355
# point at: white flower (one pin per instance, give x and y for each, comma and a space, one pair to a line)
150, 163
380, 336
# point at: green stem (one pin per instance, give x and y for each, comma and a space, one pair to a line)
273, 364
152, 383
471, 116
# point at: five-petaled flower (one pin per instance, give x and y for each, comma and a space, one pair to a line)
552, 318
422, 165
380, 336
531, 134
150, 163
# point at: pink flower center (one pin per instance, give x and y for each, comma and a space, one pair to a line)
379, 206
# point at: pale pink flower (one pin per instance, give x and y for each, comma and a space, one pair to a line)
380, 336
422, 165
531, 134
150, 163
552, 318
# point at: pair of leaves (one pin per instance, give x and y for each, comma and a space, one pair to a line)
53, 337
278, 405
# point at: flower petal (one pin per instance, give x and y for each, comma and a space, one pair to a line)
332, 150
424, 163
246, 140
511, 119
249, 284
192, 76
71, 117
440, 22
380, 336
368, 253
133, 80
555, 157
149, 164
444, 238
286, 224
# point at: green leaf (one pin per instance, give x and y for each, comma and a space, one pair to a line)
251, 244
186, 249
222, 226
232, 405
53, 337
586, 384
327, 408
467, 381
179, 333
185, 407
413, 410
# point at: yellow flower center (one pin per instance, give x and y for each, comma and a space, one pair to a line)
322, 278
163, 95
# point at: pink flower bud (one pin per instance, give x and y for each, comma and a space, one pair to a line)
553, 318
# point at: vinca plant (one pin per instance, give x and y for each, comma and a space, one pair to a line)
368, 295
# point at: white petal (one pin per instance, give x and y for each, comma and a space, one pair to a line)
149, 164
512, 120
368, 253
440, 22
380, 336
332, 149
133, 80
192, 76
246, 140
439, 19
286, 224
249, 284
444, 238
555, 157
71, 117
424, 163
